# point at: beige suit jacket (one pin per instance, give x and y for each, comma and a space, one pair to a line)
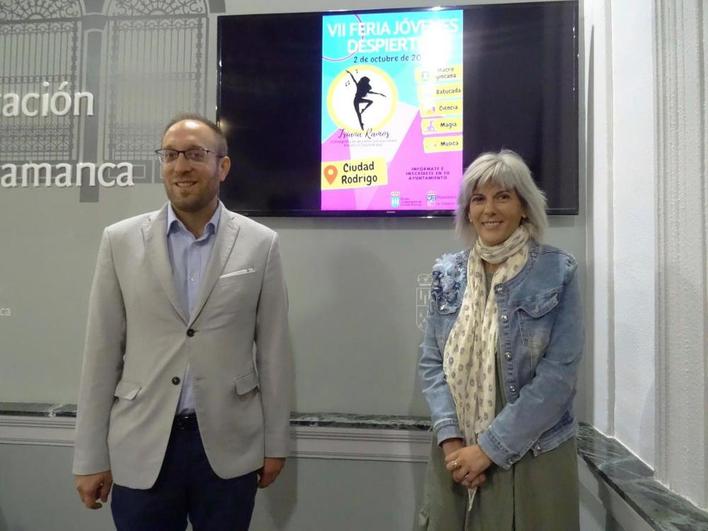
139, 341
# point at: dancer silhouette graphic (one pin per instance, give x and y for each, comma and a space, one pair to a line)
363, 88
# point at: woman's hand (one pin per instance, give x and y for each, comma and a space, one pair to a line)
468, 465
452, 445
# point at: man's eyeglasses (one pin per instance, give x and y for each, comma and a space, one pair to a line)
198, 154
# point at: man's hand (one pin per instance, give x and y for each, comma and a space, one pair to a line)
271, 468
468, 465
93, 487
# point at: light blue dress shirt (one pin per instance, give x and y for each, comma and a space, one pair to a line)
189, 257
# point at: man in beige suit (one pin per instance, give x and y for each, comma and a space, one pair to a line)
186, 382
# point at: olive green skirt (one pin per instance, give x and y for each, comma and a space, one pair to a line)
536, 494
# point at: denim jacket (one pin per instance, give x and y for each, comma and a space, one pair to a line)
539, 346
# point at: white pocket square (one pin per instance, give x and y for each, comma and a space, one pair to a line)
239, 272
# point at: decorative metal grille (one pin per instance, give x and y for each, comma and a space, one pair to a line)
28, 10
33, 52
157, 8
155, 69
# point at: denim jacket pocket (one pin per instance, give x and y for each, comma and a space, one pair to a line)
536, 321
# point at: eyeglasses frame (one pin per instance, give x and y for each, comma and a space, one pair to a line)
160, 152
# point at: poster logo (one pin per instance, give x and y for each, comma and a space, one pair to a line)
395, 199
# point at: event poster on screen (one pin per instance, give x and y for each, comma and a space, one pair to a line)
391, 110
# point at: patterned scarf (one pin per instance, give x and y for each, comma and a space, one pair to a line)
469, 356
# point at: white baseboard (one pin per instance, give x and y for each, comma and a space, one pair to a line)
39, 431
313, 442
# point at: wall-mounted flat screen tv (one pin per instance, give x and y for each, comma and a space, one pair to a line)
377, 113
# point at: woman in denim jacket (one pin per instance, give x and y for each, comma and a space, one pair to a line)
503, 339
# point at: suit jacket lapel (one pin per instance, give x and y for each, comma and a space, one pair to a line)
223, 245
154, 234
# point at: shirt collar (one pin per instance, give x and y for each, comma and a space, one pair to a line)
174, 224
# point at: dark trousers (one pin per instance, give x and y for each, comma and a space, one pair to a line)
186, 487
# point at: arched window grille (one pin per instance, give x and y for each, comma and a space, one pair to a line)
40, 45
155, 68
